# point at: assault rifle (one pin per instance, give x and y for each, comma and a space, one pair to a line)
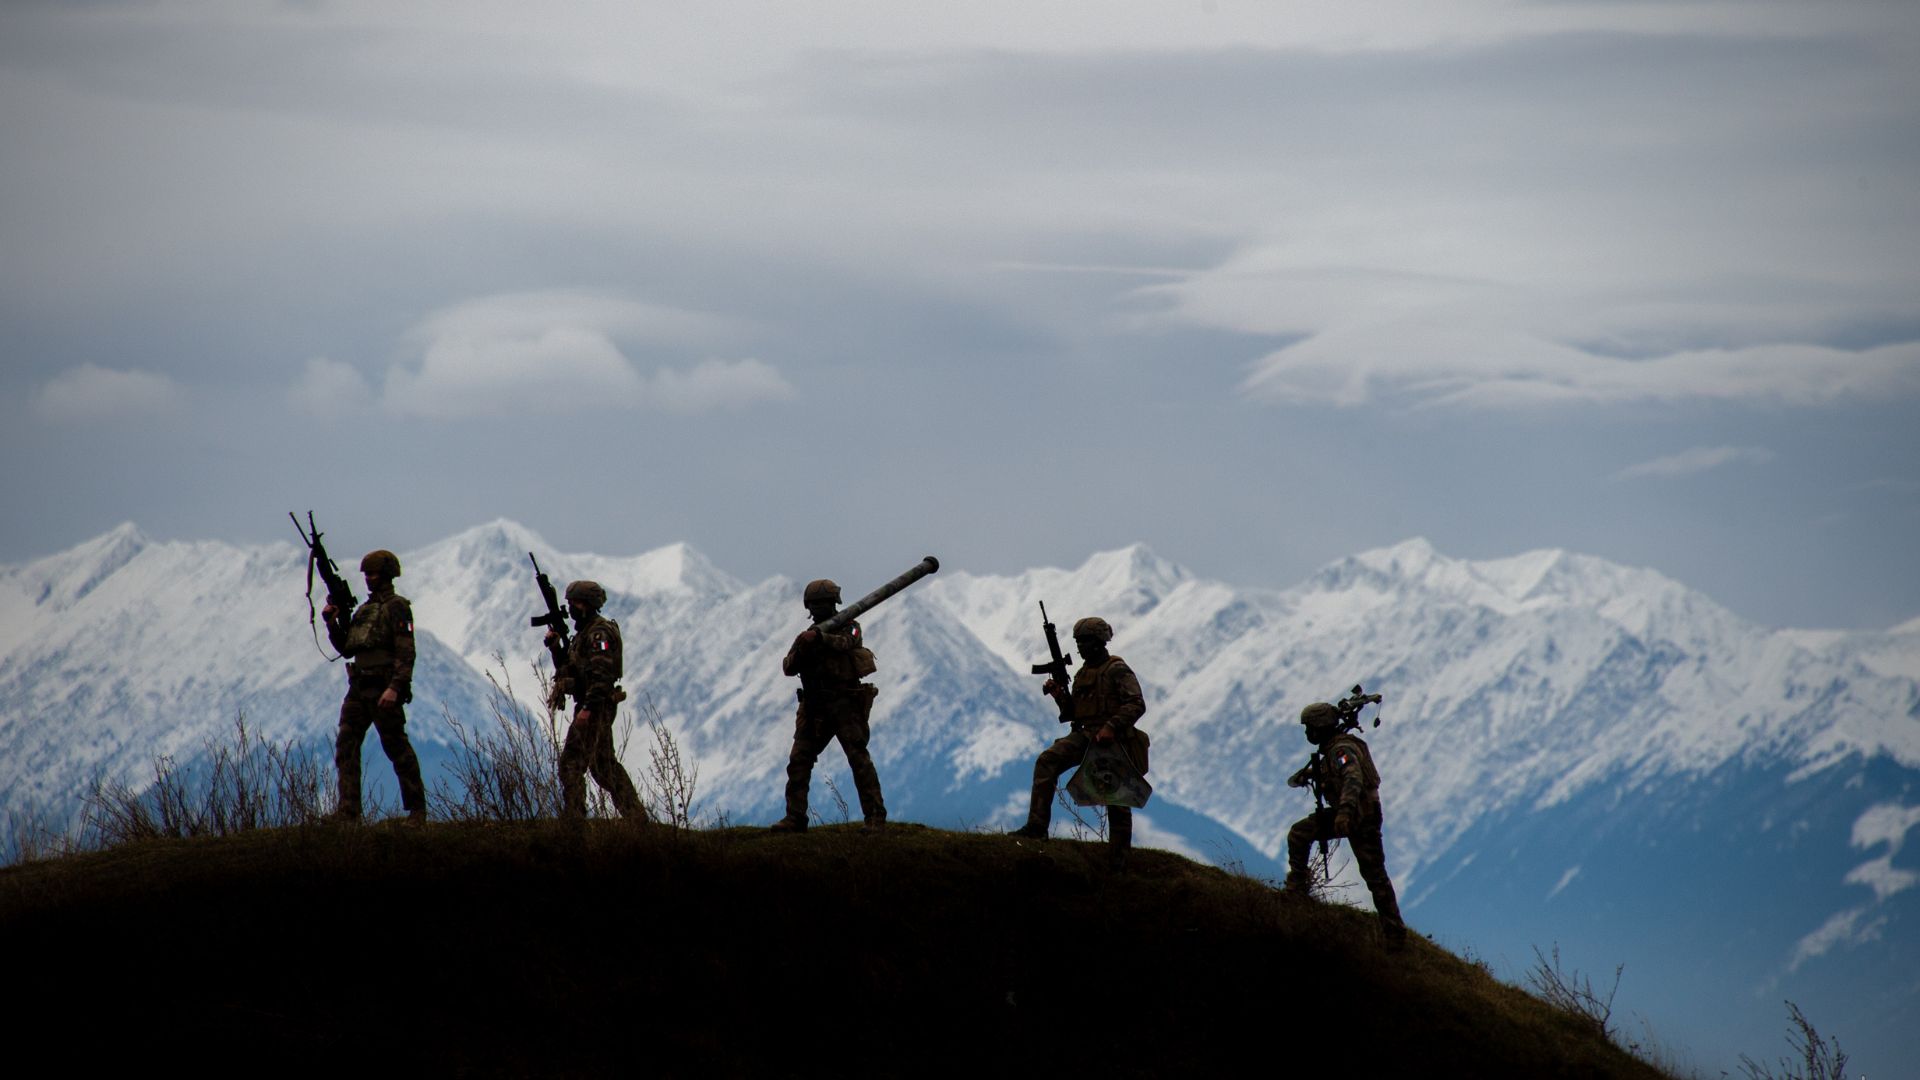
555, 619
338, 592
1056, 667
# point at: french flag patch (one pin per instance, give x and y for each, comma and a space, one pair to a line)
605, 645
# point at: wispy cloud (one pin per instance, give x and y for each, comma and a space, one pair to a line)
1883, 823
88, 392
1850, 927
559, 352
1696, 460
329, 387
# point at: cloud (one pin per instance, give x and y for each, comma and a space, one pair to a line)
1843, 928
556, 352
1696, 459
88, 392
1883, 823
328, 387
1376, 336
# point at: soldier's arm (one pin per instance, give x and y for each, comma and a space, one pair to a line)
401, 616
1124, 691
337, 622
1353, 778
597, 670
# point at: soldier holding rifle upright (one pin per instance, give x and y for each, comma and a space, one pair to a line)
1103, 705
378, 640
587, 667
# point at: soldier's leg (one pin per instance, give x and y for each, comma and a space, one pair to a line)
611, 775
806, 751
1371, 854
1119, 835
854, 733
1064, 754
392, 725
355, 717
1300, 840
582, 739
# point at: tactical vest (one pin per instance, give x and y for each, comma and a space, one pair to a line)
1092, 693
370, 634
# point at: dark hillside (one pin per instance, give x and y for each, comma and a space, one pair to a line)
541, 950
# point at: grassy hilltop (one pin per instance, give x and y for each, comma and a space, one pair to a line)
539, 949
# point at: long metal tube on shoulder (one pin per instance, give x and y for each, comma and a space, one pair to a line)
873, 599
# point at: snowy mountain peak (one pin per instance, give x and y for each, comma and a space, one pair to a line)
1134, 572
63, 579
497, 539
677, 569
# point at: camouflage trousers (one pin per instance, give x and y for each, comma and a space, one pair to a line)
360, 711
820, 722
1369, 854
589, 749
1066, 753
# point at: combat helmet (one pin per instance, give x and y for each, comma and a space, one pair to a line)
821, 591
587, 594
381, 561
1095, 627
1320, 715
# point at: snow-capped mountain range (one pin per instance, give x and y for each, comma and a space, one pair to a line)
1522, 694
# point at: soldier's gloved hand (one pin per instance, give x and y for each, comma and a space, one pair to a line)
1298, 779
556, 697
1342, 823
584, 715
552, 638
809, 637
1050, 688
1104, 735
389, 698
329, 611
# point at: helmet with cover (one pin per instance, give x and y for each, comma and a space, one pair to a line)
1092, 628
382, 562
587, 594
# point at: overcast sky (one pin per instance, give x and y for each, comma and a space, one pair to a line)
821, 288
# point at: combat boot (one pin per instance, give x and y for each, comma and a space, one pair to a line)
788, 825
876, 823
1030, 831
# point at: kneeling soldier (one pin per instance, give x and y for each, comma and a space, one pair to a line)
1107, 702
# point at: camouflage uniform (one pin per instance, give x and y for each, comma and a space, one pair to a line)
594, 665
834, 704
1104, 692
1351, 786
378, 640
